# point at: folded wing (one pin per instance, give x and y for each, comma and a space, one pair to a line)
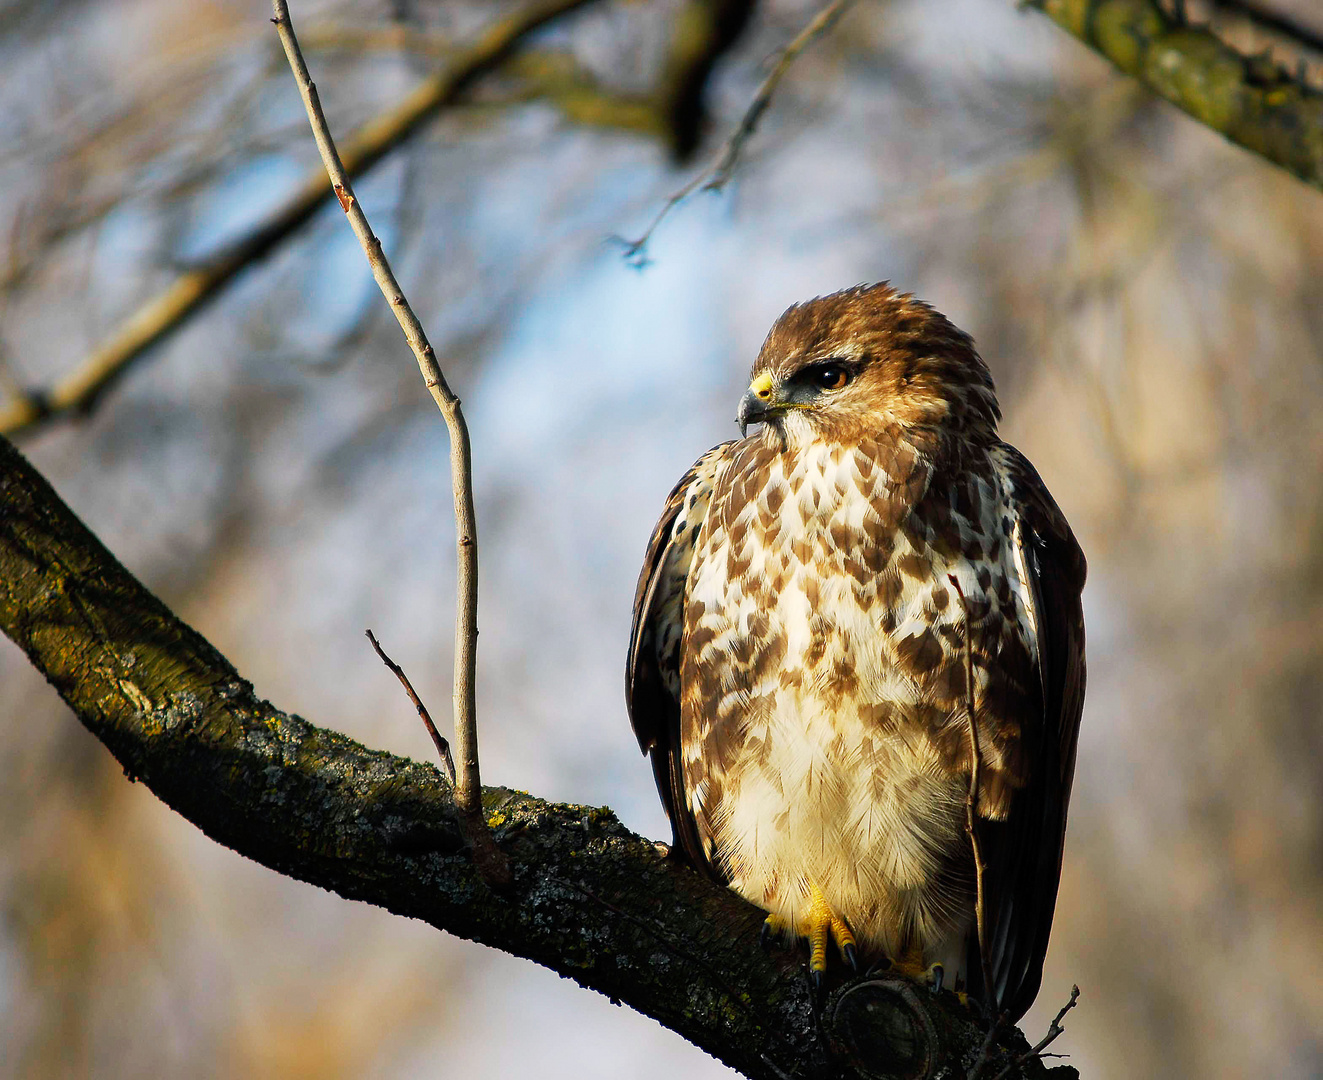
1023, 853
652, 672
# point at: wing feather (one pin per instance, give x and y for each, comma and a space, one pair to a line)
652, 672
1024, 853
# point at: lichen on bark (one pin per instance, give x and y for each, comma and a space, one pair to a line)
1249, 99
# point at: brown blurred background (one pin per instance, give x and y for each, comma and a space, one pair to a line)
1149, 298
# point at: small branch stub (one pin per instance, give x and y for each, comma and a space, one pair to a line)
438, 740
1054, 1031
881, 1030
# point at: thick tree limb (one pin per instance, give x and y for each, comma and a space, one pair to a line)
589, 899
1249, 99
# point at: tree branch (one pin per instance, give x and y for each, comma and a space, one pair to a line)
551, 75
703, 31
717, 174
588, 898
1249, 99
1054, 1032
438, 740
165, 312
468, 785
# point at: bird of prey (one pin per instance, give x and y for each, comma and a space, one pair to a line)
810, 601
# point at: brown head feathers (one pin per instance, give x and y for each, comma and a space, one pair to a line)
901, 360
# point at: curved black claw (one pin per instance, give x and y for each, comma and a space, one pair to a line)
765, 936
851, 957
815, 981
939, 973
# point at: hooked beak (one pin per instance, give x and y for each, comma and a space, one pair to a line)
758, 403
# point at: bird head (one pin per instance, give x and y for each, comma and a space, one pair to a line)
851, 365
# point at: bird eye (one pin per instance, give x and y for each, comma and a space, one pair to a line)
830, 376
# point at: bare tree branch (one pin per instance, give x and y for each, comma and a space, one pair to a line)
550, 75
587, 898
1249, 99
1054, 1031
165, 312
468, 785
438, 740
716, 175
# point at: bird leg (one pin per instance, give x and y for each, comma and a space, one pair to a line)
821, 928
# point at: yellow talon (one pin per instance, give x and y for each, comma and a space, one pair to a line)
774, 928
824, 925
820, 927
910, 963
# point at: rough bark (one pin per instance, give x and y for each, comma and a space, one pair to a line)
589, 899
1249, 99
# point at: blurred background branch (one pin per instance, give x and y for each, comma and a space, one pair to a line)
717, 175
165, 312
1250, 99
1263, 16
705, 29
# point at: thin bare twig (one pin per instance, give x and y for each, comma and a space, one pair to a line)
163, 313
468, 784
716, 175
438, 740
1054, 1030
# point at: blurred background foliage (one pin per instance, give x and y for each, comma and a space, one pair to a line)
1150, 300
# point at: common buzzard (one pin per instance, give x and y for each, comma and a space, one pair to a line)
798, 655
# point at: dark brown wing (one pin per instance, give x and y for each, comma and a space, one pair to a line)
1023, 853
652, 671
